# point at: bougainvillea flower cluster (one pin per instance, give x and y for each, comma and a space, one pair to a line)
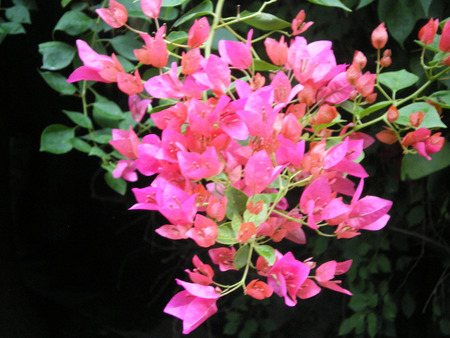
233, 143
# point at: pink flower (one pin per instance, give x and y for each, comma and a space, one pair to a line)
202, 274
259, 173
194, 305
224, 257
95, 67
190, 61
151, 8
196, 166
115, 15
125, 142
286, 276
130, 84
299, 25
237, 54
198, 33
204, 232
326, 272
138, 107
258, 289
155, 50
125, 169
282, 89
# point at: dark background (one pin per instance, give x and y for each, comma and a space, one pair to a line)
74, 262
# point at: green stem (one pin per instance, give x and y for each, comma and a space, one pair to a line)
217, 16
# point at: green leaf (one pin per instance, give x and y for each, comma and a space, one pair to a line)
263, 66
64, 3
125, 44
237, 202
12, 28
102, 136
399, 18
331, 3
349, 324
264, 21
58, 82
372, 324
425, 5
373, 108
416, 166
79, 119
119, 185
80, 145
397, 80
266, 252
74, 23
226, 234
205, 8
96, 151
442, 98
178, 37
30, 4
241, 256
384, 263
56, 55
389, 310
107, 108
408, 305
358, 302
364, 3
431, 119
172, 3
19, 14
55, 139
168, 14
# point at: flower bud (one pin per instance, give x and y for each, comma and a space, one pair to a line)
371, 98
392, 114
198, 33
416, 119
325, 115
446, 61
277, 51
352, 74
365, 84
444, 42
359, 59
379, 37
386, 136
428, 32
386, 61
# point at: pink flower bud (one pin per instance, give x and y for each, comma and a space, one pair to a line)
198, 33
115, 15
416, 119
428, 32
387, 136
392, 114
359, 59
379, 36
352, 74
151, 8
325, 115
444, 42
277, 51
365, 84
